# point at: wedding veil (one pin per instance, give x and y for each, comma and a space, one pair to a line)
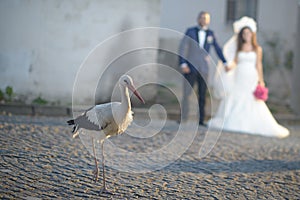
223, 81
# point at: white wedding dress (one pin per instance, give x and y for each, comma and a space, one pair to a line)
239, 110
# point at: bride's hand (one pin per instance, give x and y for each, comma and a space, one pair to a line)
262, 83
227, 68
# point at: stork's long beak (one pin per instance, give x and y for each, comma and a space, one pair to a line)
137, 94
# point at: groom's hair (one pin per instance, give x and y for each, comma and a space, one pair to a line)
202, 13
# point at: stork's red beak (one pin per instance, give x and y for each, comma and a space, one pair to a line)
137, 94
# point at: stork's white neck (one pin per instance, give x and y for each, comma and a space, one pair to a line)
125, 99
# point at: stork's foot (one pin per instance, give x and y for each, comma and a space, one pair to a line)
104, 191
96, 174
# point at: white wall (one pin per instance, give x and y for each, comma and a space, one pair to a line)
277, 16
277, 22
295, 100
43, 43
273, 16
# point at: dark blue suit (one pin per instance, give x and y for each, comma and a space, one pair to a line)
196, 59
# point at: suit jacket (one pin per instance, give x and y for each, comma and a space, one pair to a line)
193, 55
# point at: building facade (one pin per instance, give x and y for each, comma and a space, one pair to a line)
44, 43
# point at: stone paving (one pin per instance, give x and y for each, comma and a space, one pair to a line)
41, 160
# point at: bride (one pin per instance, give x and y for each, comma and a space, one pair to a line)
239, 110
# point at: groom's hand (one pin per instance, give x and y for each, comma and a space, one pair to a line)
185, 68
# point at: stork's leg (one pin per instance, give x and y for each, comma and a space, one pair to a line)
96, 170
103, 190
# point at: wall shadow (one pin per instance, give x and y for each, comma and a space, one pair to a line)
245, 166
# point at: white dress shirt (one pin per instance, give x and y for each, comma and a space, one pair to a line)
201, 37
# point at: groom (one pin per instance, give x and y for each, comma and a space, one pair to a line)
193, 51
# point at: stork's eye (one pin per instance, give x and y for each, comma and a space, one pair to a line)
126, 81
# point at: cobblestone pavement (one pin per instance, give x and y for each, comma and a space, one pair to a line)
40, 160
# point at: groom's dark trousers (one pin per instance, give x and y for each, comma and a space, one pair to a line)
191, 78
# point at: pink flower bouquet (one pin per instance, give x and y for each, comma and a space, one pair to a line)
261, 93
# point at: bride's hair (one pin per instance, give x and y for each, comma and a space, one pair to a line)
241, 40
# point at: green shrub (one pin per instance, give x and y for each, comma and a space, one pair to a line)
288, 61
1, 95
9, 93
40, 101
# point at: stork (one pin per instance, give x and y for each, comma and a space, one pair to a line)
111, 118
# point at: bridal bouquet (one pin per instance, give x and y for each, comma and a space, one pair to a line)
261, 93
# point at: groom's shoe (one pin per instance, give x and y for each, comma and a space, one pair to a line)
202, 124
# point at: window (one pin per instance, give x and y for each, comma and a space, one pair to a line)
238, 8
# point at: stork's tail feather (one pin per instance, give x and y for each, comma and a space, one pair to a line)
75, 131
71, 122
75, 127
